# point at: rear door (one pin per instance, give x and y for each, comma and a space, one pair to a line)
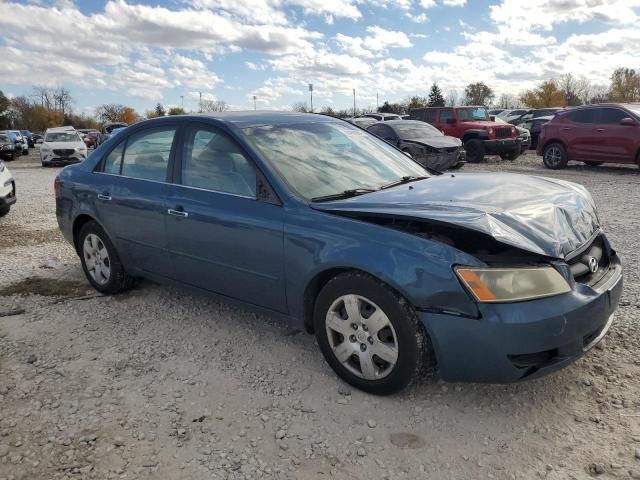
615, 142
579, 132
220, 236
130, 197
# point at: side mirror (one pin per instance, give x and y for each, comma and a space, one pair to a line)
492, 118
628, 122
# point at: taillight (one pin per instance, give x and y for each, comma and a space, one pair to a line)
56, 186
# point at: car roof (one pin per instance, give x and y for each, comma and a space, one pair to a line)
252, 118
392, 123
60, 129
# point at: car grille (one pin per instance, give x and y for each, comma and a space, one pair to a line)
66, 152
503, 132
591, 264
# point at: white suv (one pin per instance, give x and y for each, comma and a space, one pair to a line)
7, 190
62, 145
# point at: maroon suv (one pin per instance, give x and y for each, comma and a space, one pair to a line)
592, 134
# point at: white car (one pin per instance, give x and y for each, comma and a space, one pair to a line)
7, 190
62, 145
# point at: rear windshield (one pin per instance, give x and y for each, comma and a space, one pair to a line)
415, 131
473, 114
62, 137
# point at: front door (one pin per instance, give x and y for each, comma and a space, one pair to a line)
615, 142
580, 133
220, 237
130, 197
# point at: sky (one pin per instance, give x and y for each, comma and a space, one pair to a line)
141, 52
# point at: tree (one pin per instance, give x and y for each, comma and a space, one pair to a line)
5, 103
62, 100
176, 111
396, 108
508, 101
159, 110
436, 99
453, 99
128, 115
214, 106
301, 107
547, 94
478, 94
625, 86
114, 112
572, 89
412, 102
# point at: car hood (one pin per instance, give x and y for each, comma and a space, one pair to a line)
64, 145
443, 141
542, 215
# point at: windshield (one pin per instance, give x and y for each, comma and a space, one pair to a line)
416, 131
479, 113
325, 158
62, 137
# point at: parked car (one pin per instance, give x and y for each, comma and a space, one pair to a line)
535, 126
17, 141
523, 134
37, 138
29, 136
425, 144
484, 277
508, 115
362, 122
474, 127
24, 144
592, 134
496, 111
62, 145
7, 147
7, 190
535, 113
108, 129
92, 139
382, 117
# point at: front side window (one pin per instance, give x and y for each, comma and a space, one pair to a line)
587, 115
147, 153
480, 113
325, 158
213, 161
612, 116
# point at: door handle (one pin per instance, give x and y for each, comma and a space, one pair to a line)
102, 196
177, 213
599, 130
565, 129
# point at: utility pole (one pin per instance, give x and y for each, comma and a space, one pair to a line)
377, 103
311, 93
254, 103
200, 109
354, 102
182, 99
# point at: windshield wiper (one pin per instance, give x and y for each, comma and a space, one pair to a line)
402, 181
345, 194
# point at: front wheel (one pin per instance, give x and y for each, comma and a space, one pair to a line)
555, 156
475, 150
100, 261
369, 335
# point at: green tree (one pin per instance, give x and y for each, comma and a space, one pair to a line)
625, 86
436, 99
478, 94
159, 110
176, 111
391, 108
5, 103
547, 94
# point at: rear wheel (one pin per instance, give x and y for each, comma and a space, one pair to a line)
475, 150
4, 210
593, 164
555, 156
100, 261
369, 335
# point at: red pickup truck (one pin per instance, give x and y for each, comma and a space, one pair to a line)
474, 127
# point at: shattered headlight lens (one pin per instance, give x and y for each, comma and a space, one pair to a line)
512, 284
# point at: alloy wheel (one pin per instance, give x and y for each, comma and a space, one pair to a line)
96, 258
361, 336
553, 156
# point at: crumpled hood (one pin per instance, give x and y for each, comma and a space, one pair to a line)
443, 141
542, 215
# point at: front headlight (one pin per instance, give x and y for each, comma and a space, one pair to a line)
512, 284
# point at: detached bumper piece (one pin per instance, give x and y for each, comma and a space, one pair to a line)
444, 158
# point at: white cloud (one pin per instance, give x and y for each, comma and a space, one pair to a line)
376, 43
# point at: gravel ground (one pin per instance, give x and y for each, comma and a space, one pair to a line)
161, 384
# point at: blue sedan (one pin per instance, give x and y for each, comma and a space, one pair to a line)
397, 270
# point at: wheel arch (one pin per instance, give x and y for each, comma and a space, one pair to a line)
555, 140
80, 221
473, 135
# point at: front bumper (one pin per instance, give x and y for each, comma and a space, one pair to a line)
524, 340
506, 145
7, 153
8, 193
443, 160
52, 159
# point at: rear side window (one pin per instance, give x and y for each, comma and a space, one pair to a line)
612, 116
211, 160
583, 116
446, 115
430, 116
147, 153
113, 161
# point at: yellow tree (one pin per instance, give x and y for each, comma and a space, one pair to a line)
547, 94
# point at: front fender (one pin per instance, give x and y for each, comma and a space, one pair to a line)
421, 270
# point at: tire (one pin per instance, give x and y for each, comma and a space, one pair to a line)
555, 156
593, 164
400, 335
511, 156
100, 261
4, 210
475, 150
